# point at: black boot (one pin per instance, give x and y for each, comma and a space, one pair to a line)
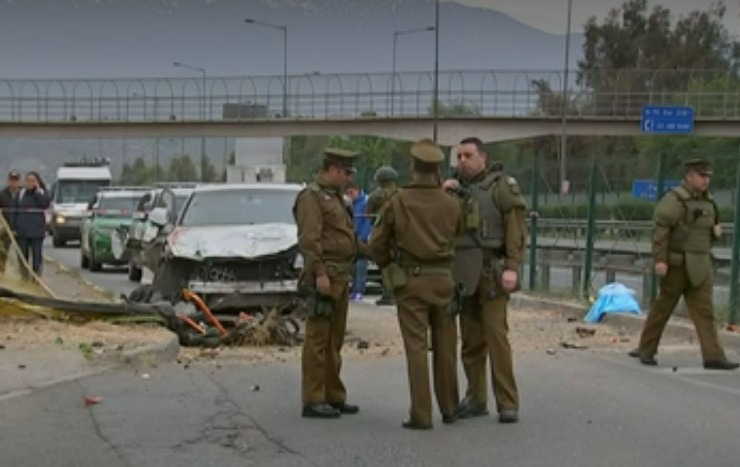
320, 410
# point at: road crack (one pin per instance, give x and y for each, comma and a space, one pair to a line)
99, 431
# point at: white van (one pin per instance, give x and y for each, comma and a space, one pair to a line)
76, 184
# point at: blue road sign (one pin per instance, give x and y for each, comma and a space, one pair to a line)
648, 189
667, 120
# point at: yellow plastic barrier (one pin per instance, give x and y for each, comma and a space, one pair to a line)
16, 275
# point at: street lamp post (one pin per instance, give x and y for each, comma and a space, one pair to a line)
564, 104
285, 58
435, 103
284, 29
203, 116
396, 34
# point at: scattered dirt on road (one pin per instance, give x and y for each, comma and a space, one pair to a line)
35, 333
373, 332
26, 332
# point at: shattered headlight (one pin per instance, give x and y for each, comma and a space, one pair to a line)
298, 261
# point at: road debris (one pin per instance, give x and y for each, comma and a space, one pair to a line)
585, 332
570, 345
92, 401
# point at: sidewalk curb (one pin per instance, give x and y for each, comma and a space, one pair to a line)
144, 357
677, 327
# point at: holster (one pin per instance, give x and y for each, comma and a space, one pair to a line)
394, 276
317, 304
458, 299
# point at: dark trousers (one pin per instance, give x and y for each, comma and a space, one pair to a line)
31, 249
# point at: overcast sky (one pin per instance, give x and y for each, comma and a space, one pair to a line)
541, 13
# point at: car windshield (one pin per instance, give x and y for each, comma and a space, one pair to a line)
117, 205
77, 191
239, 206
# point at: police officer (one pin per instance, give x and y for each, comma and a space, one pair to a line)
487, 262
421, 223
327, 241
686, 225
386, 178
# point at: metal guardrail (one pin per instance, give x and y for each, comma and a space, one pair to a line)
483, 93
613, 225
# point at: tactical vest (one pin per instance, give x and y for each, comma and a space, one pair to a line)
484, 223
694, 233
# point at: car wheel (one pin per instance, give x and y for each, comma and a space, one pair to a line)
57, 241
94, 265
134, 273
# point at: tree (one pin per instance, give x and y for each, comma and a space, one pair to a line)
455, 108
138, 173
658, 54
373, 151
207, 170
182, 169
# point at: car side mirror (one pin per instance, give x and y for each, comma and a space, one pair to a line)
159, 217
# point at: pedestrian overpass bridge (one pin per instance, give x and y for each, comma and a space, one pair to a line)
495, 105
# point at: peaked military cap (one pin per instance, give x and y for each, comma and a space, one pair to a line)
701, 166
426, 151
342, 157
385, 174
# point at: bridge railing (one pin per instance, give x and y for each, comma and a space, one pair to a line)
485, 93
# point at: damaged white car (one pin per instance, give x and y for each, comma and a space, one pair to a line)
235, 247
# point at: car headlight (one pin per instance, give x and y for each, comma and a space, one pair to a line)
60, 219
298, 261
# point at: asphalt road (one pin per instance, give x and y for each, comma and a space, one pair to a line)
578, 409
110, 278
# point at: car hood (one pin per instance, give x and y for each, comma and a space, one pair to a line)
111, 222
243, 241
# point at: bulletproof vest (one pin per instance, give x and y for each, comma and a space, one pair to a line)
484, 223
694, 233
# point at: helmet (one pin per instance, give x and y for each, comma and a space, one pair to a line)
385, 174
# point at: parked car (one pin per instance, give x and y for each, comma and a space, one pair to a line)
236, 246
110, 207
129, 240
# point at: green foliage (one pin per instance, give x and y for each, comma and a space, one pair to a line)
455, 108
181, 169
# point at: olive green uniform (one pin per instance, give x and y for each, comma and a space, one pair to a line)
327, 240
494, 241
683, 239
421, 222
376, 201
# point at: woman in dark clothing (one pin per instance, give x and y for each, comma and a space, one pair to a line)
31, 221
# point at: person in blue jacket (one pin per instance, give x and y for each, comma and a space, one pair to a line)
363, 225
30, 222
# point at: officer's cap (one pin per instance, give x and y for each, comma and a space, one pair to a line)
700, 166
341, 157
385, 174
426, 151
